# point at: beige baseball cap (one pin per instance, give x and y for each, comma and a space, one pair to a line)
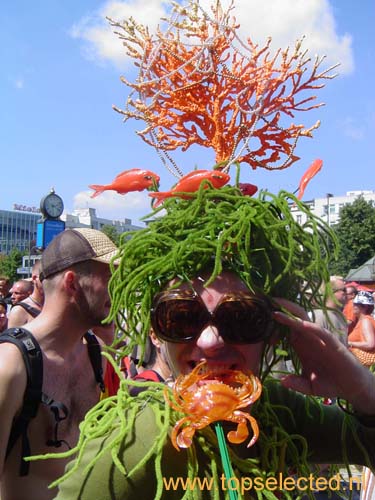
76, 245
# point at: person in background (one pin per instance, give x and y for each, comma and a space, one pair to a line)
3, 315
363, 334
152, 367
4, 288
20, 290
332, 317
75, 272
25, 310
157, 368
351, 292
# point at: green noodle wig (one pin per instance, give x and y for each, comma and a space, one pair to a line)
216, 229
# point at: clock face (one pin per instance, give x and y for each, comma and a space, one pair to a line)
53, 205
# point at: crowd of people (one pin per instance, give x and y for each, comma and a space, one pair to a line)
171, 313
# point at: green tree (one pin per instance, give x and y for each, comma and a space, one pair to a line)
356, 235
111, 232
10, 263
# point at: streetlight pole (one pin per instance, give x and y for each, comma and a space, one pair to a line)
329, 195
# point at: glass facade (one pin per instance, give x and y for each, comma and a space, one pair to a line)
17, 230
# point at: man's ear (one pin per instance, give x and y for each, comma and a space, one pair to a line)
70, 280
157, 343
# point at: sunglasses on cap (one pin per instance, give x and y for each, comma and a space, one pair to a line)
241, 318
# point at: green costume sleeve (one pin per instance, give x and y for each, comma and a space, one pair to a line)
332, 436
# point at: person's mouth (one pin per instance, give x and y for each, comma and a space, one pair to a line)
214, 367
209, 372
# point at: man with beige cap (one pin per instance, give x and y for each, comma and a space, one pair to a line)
75, 272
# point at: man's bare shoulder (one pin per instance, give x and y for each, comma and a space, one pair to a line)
12, 368
17, 317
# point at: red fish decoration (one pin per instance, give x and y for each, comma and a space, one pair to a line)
313, 169
135, 179
247, 189
191, 183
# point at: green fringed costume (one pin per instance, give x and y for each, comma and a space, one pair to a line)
124, 451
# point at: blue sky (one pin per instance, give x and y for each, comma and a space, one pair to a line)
60, 75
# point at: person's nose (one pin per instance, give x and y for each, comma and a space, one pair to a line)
210, 339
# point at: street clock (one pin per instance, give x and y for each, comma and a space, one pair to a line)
50, 225
52, 205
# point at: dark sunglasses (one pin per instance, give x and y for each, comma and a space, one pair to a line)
241, 318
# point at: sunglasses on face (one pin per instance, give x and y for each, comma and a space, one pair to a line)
241, 318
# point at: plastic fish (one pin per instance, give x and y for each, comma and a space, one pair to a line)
135, 179
313, 169
191, 182
247, 189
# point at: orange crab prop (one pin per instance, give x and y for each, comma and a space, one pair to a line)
211, 396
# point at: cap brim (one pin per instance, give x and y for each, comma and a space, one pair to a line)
107, 258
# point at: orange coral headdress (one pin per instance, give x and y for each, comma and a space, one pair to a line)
199, 83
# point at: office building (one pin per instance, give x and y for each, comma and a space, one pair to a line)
18, 227
328, 208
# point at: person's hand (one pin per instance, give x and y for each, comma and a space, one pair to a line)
329, 369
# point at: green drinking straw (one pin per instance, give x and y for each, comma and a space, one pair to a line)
227, 466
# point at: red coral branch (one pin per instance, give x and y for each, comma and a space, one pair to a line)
198, 83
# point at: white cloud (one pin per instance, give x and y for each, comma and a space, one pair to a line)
284, 20
288, 20
101, 41
110, 204
352, 130
19, 83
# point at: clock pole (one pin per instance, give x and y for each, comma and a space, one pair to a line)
50, 225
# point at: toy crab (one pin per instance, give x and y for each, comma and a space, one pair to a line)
210, 396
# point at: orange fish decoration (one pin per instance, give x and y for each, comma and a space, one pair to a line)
191, 183
207, 396
135, 179
313, 169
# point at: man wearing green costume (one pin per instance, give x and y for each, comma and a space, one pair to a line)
220, 278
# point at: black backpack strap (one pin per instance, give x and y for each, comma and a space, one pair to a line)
32, 356
60, 412
95, 356
33, 311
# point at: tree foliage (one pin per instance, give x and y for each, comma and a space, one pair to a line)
356, 235
10, 263
111, 232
